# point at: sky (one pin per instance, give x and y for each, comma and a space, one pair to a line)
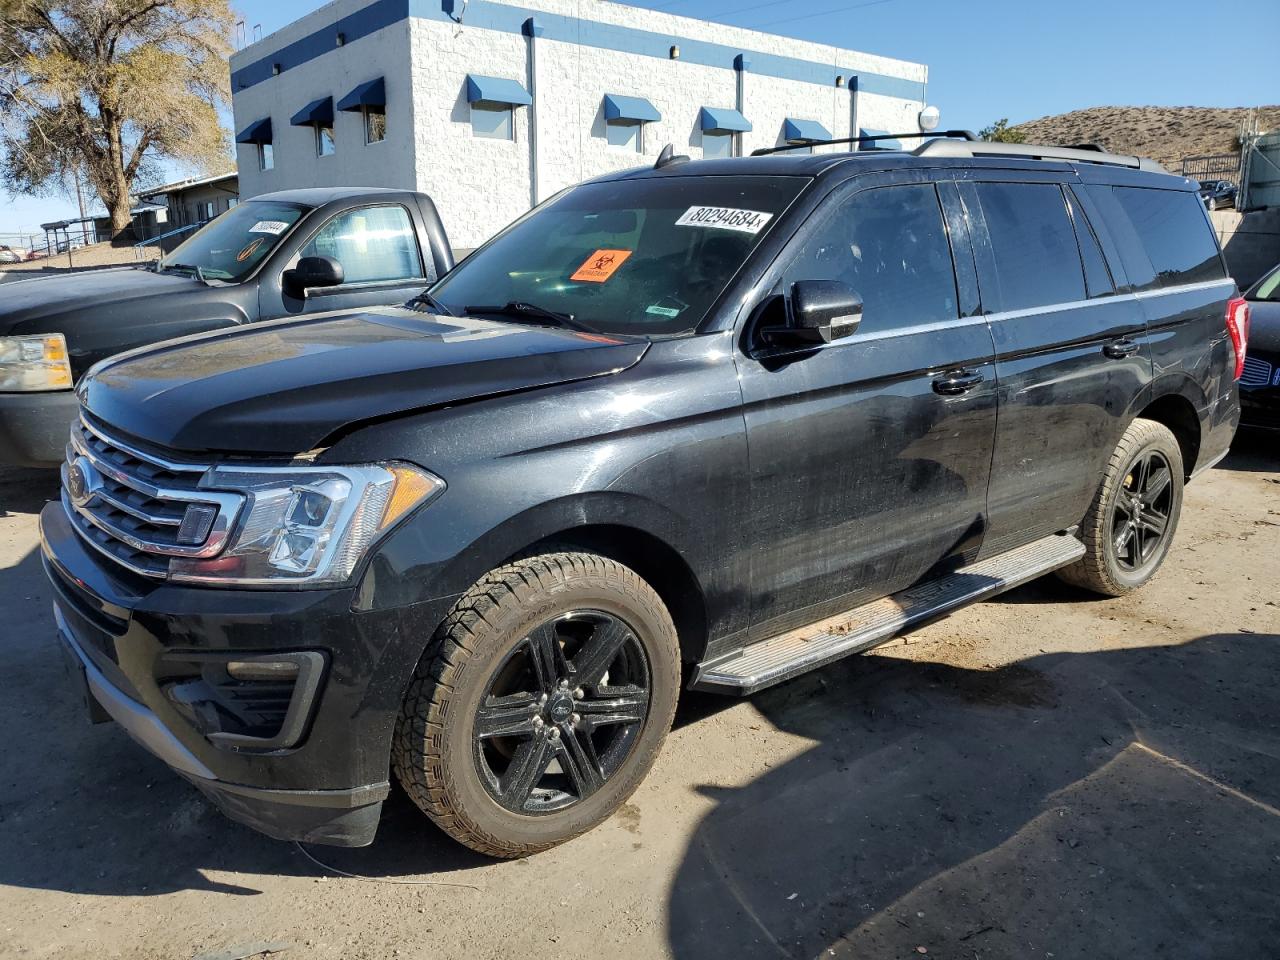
987, 59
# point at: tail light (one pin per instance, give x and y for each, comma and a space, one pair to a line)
1238, 329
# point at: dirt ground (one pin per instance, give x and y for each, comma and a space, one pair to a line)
1047, 775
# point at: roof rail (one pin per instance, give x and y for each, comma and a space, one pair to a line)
1034, 151
962, 134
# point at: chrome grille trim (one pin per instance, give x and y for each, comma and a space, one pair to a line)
138, 500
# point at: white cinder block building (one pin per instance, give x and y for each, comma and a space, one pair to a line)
491, 106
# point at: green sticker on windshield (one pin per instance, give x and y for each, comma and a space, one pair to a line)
662, 311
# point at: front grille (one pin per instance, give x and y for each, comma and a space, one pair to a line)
1257, 373
139, 508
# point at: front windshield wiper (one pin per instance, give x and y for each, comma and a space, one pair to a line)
425, 297
520, 310
198, 271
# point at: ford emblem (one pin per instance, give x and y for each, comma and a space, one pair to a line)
82, 481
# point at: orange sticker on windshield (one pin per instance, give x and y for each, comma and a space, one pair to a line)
247, 252
601, 265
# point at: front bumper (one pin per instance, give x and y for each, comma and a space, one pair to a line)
326, 788
34, 427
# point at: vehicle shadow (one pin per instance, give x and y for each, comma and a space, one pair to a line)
26, 491
1252, 451
1119, 803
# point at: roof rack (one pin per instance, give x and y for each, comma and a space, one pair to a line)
962, 134
1033, 151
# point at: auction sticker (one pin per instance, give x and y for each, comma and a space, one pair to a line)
725, 218
600, 266
274, 227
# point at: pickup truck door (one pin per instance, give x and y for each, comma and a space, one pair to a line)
869, 456
1072, 351
381, 258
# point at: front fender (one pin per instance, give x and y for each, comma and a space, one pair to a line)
441, 553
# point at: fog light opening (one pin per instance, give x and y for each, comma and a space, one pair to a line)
262, 669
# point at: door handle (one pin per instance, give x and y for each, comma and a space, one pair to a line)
1119, 349
955, 382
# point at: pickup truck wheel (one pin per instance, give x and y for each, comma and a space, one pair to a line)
541, 705
1130, 524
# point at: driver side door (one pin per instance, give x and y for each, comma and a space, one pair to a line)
381, 260
870, 455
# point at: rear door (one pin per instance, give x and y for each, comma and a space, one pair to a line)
1071, 351
869, 456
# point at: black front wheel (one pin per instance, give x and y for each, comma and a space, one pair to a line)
542, 705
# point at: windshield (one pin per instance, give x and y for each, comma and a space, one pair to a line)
1268, 288
230, 247
646, 257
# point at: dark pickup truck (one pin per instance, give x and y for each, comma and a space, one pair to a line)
725, 421
281, 254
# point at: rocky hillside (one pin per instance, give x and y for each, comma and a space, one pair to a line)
1166, 134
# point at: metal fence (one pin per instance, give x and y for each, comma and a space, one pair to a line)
1221, 166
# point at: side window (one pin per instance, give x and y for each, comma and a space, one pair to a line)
1097, 278
890, 245
1034, 245
1175, 233
371, 243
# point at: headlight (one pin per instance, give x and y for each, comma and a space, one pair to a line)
32, 363
306, 525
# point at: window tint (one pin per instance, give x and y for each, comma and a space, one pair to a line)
492, 122
624, 135
890, 245
1097, 278
1175, 234
1037, 261
372, 243
716, 145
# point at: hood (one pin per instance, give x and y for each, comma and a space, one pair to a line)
285, 386
36, 306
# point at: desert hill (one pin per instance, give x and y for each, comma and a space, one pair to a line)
1166, 134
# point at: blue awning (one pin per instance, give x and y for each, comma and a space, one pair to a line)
804, 131
318, 112
723, 120
496, 90
371, 94
879, 144
257, 132
620, 109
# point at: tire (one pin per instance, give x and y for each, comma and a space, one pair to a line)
1122, 548
508, 633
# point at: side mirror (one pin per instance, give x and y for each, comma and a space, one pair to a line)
313, 272
821, 311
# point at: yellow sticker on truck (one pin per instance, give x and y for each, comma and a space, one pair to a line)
725, 218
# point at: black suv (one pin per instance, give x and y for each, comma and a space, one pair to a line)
741, 417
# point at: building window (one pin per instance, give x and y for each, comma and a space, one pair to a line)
626, 136
493, 121
324, 140
266, 158
375, 125
717, 145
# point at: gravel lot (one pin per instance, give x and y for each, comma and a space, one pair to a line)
1044, 775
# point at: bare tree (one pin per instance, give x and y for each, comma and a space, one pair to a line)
107, 88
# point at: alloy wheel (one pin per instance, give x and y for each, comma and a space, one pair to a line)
1140, 516
561, 712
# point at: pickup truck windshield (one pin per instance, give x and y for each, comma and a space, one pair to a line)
644, 257
231, 246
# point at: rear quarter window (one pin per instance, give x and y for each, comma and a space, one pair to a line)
1175, 234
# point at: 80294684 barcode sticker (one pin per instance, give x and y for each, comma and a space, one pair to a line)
725, 218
